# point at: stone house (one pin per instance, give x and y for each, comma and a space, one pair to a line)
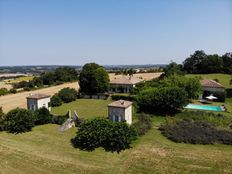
120, 110
37, 101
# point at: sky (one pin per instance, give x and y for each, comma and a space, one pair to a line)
112, 32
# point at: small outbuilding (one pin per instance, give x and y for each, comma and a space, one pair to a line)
212, 86
36, 101
120, 110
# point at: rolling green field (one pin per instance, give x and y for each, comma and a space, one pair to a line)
224, 79
46, 150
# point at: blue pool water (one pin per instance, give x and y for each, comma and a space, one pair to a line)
203, 107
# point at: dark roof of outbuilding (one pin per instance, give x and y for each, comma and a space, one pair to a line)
211, 84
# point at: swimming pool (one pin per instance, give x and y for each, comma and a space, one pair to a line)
203, 107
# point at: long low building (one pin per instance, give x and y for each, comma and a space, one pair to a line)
125, 83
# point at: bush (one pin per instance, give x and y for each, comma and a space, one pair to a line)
195, 132
164, 100
67, 94
13, 91
55, 101
42, 116
229, 92
123, 97
99, 132
59, 119
19, 120
143, 124
3, 91
2, 118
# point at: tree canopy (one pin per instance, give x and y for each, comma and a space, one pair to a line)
93, 79
201, 63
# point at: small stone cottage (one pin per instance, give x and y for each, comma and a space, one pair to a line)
120, 110
37, 101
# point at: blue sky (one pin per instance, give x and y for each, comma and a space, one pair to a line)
74, 32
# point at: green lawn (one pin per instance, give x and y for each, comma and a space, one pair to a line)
86, 108
46, 150
224, 79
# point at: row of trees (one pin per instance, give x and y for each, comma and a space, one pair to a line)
200, 62
59, 75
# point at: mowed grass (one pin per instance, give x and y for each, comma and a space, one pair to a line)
46, 150
86, 108
224, 79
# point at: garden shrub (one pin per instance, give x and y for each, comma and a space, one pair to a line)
143, 124
100, 132
67, 94
195, 132
42, 116
123, 97
164, 100
59, 119
19, 120
55, 101
229, 92
3, 91
13, 91
2, 117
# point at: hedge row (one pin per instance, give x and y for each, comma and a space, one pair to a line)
123, 97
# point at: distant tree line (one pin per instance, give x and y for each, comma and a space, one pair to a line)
58, 76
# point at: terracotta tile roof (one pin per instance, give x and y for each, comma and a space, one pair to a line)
127, 80
120, 104
38, 96
211, 84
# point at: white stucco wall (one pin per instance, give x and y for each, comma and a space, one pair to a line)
125, 114
34, 104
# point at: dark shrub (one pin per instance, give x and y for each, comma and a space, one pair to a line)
26, 89
13, 91
195, 132
164, 100
143, 124
19, 120
55, 101
229, 92
2, 117
59, 119
42, 116
123, 97
3, 91
67, 95
100, 132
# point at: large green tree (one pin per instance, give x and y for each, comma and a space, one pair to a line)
93, 79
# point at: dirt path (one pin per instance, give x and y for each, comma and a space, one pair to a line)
12, 101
